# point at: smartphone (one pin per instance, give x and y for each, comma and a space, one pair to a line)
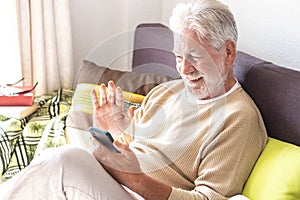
104, 138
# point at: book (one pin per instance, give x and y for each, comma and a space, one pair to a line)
18, 112
15, 96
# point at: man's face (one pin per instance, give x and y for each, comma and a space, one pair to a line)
200, 65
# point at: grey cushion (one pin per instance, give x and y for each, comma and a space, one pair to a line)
140, 83
275, 90
153, 50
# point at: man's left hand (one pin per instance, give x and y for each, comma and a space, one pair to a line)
124, 166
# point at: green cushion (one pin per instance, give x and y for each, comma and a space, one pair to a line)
276, 175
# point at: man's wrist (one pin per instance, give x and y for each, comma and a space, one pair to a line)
152, 189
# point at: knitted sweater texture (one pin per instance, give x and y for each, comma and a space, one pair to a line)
203, 149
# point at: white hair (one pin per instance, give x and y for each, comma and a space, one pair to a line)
209, 19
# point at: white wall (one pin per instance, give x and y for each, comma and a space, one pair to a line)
93, 23
103, 29
267, 29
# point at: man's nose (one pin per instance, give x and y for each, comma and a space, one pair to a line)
186, 67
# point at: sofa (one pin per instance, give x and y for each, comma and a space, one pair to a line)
274, 89
276, 92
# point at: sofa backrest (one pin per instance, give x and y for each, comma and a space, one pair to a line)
153, 50
275, 89
276, 92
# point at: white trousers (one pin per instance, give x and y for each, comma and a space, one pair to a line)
66, 173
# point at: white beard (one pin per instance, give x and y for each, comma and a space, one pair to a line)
210, 88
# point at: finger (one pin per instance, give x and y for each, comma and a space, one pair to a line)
130, 111
97, 148
96, 145
100, 152
103, 98
111, 92
120, 146
104, 156
95, 99
101, 157
119, 97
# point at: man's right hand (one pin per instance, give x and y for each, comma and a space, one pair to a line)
108, 110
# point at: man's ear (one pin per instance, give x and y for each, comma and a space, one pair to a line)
230, 51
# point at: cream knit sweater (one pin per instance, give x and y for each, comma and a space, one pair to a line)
203, 149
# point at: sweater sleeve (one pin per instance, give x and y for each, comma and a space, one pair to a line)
127, 136
227, 159
180, 194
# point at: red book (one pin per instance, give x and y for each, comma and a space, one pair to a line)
9, 96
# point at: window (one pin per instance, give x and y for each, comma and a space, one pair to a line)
10, 67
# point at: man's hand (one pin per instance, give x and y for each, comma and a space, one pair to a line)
118, 164
108, 111
125, 168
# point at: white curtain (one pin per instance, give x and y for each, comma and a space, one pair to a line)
46, 44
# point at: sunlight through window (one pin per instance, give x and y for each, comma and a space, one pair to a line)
10, 68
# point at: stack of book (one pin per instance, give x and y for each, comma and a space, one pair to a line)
17, 101
18, 112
